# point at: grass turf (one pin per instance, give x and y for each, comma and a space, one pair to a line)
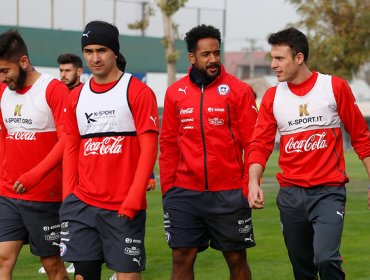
268, 260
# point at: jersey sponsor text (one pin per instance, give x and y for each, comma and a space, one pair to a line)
22, 135
109, 145
314, 142
305, 120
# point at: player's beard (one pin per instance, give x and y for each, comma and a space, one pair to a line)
214, 75
21, 79
72, 83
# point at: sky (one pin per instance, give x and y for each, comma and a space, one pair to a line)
243, 23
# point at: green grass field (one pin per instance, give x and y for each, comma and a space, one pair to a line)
268, 260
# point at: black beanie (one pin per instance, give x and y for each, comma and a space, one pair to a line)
101, 33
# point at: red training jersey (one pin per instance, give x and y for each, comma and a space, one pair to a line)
308, 118
108, 118
28, 120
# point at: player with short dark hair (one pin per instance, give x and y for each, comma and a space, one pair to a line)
70, 69
307, 108
111, 130
208, 119
31, 150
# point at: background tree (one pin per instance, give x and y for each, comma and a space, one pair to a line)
143, 23
338, 32
168, 9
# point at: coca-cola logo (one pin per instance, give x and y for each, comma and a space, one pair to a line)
314, 142
186, 111
109, 145
23, 135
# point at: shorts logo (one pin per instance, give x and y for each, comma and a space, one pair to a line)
166, 220
52, 236
223, 89
133, 251
245, 229
242, 222
46, 228
168, 236
63, 249
137, 261
130, 240
64, 225
249, 239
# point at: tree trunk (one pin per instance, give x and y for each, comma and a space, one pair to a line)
170, 49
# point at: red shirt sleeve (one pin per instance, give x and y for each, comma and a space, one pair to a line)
2, 132
143, 104
265, 131
169, 150
70, 121
56, 96
72, 144
145, 113
247, 115
352, 118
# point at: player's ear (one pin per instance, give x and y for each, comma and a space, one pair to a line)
24, 62
299, 58
191, 57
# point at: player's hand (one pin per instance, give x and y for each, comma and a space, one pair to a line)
19, 188
256, 198
151, 185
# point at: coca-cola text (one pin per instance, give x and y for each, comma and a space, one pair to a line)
22, 135
314, 142
109, 145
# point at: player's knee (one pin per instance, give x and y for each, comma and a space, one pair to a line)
52, 264
236, 258
184, 257
87, 270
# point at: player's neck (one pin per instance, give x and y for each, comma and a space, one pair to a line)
32, 76
302, 75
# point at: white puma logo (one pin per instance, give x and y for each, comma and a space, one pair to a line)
86, 34
137, 260
249, 238
153, 119
55, 244
255, 108
183, 89
340, 214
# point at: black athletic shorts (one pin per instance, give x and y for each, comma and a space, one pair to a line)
94, 234
36, 223
219, 219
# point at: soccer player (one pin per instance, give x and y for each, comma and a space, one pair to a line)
208, 119
70, 70
31, 150
111, 130
307, 108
